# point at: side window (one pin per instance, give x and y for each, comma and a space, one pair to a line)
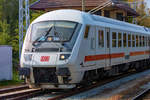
133, 40
119, 16
108, 39
140, 38
86, 31
101, 38
143, 41
129, 40
137, 41
119, 40
106, 13
147, 40
114, 37
148, 43
125, 40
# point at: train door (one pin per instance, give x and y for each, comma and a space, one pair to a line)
127, 46
89, 45
100, 47
107, 47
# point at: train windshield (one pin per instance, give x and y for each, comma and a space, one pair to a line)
54, 36
53, 31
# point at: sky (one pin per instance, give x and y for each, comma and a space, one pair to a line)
148, 3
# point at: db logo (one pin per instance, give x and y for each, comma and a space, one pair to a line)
45, 58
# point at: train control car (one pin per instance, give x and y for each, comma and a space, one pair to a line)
65, 48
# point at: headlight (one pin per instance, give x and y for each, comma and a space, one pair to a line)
28, 57
64, 56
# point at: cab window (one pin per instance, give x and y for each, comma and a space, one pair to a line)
86, 31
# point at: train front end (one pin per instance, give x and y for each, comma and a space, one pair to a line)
46, 54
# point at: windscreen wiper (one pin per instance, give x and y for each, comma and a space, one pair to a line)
42, 38
57, 34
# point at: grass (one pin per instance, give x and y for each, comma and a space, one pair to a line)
14, 81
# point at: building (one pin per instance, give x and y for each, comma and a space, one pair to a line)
109, 8
6, 71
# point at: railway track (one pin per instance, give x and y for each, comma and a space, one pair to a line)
135, 88
145, 95
23, 92
18, 93
87, 88
5, 90
83, 89
142, 95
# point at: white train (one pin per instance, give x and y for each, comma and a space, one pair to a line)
64, 48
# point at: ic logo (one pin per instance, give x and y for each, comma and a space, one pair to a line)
45, 58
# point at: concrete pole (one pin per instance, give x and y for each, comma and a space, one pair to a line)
83, 5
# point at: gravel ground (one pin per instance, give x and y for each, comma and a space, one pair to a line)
121, 89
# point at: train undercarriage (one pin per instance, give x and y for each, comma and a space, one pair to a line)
98, 74
47, 77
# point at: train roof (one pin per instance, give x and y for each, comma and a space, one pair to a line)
87, 18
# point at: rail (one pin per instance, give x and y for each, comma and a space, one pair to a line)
18, 93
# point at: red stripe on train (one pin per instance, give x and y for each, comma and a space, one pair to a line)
103, 56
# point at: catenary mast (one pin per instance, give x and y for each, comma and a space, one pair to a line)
23, 16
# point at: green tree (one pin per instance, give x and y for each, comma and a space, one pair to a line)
35, 14
4, 34
143, 19
9, 25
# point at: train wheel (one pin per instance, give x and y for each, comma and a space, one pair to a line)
145, 65
137, 67
148, 64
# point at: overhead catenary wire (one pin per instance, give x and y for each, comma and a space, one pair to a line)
100, 6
